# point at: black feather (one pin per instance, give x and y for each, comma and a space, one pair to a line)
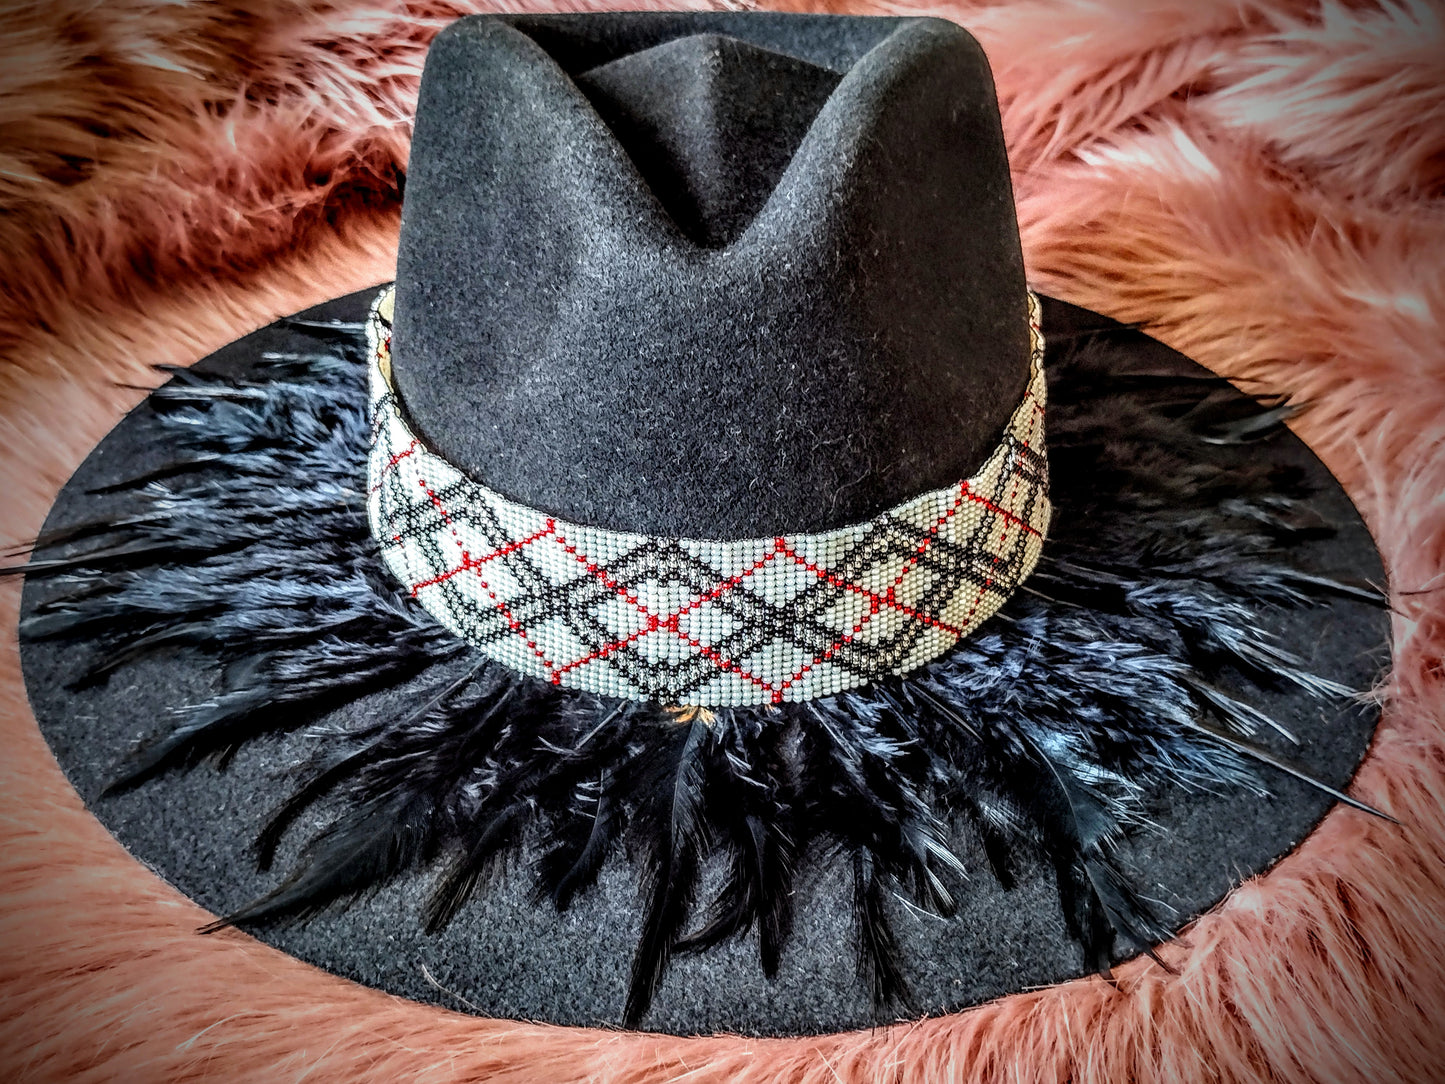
669, 813
1264, 756
750, 801
572, 862
342, 767
349, 859
877, 947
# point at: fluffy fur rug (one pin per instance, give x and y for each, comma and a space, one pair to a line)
1260, 182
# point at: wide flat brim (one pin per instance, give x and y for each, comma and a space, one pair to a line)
505, 956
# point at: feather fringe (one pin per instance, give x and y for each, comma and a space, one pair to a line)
1046, 731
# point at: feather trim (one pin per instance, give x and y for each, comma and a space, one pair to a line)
1046, 731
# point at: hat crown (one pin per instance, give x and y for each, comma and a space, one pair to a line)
625, 298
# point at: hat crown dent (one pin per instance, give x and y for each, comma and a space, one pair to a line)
560, 338
711, 122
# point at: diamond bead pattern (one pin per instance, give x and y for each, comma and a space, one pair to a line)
696, 621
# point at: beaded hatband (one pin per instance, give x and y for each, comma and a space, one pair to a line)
699, 621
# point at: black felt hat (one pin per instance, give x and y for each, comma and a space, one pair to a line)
709, 554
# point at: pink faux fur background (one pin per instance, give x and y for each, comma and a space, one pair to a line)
1262, 182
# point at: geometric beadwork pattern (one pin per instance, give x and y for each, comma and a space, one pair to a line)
697, 621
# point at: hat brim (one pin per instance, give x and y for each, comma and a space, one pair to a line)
506, 956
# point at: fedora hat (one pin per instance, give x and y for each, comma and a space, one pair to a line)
707, 556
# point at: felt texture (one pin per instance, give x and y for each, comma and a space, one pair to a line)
508, 955
561, 339
710, 122
1256, 184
